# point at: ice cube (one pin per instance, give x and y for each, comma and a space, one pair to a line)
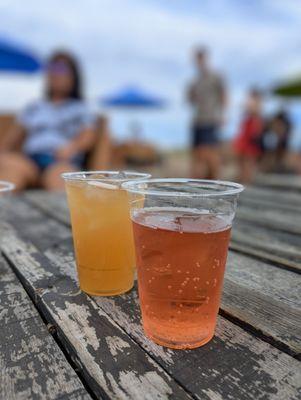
103, 185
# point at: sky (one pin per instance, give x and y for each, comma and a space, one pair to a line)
149, 43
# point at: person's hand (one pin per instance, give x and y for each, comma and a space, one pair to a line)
65, 153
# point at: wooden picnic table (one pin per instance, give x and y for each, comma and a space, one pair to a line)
59, 343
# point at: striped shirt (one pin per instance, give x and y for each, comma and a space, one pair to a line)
50, 126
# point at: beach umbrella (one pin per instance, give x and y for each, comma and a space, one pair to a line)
15, 58
290, 88
133, 97
132, 100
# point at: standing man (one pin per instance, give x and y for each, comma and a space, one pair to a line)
207, 95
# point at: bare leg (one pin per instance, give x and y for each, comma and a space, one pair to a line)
198, 163
206, 162
18, 169
213, 162
247, 169
298, 164
51, 178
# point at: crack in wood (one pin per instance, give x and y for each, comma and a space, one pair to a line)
234, 363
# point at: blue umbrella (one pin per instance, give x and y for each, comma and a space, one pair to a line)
14, 58
133, 97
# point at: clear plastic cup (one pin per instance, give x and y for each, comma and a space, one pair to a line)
6, 187
102, 231
181, 236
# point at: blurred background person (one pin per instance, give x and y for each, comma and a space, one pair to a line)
52, 135
99, 156
275, 142
207, 96
247, 144
298, 163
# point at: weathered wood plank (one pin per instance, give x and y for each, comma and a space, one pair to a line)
261, 311
279, 181
265, 297
257, 275
52, 204
280, 247
265, 216
258, 203
32, 365
275, 209
280, 200
270, 297
266, 317
112, 364
224, 364
222, 368
277, 196
249, 237
124, 310
265, 219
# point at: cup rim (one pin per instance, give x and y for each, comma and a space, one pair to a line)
133, 187
82, 176
6, 186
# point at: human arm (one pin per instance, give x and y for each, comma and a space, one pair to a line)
222, 98
101, 155
82, 143
192, 94
13, 138
223, 95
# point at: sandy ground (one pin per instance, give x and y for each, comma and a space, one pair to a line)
177, 164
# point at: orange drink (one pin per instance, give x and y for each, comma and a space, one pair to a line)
102, 231
181, 236
181, 274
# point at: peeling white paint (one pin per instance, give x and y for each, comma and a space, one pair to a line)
134, 329
78, 323
282, 369
116, 344
213, 395
65, 263
266, 359
148, 386
34, 366
21, 253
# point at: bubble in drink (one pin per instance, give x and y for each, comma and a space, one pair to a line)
183, 301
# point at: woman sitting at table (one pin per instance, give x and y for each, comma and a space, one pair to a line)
55, 133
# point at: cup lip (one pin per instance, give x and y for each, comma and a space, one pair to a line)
6, 186
82, 176
133, 187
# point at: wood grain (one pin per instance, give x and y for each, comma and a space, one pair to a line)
111, 363
224, 364
32, 365
268, 226
285, 221
247, 235
280, 200
279, 181
243, 271
261, 311
279, 247
256, 293
52, 204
